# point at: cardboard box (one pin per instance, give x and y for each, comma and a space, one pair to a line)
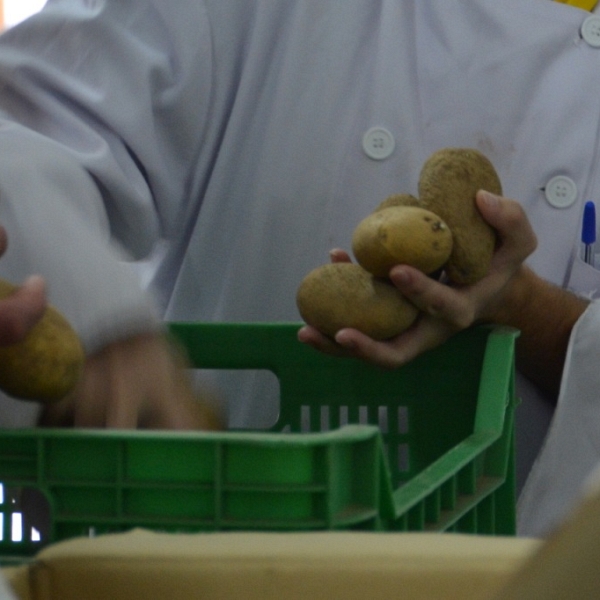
146, 565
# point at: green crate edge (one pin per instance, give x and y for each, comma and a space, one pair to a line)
486, 506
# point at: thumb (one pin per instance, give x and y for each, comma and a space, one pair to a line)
21, 310
507, 217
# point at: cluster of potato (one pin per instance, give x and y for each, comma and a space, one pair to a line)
440, 231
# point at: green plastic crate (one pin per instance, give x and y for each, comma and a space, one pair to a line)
425, 447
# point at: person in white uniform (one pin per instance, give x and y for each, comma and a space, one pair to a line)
230, 145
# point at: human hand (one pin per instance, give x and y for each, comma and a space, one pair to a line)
20, 311
445, 309
140, 382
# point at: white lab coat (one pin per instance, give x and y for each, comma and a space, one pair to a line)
229, 137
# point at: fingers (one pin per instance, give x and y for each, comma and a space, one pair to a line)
140, 371
358, 345
423, 335
338, 255
126, 395
85, 406
456, 308
188, 410
348, 343
139, 382
20, 311
507, 217
435, 299
314, 338
390, 354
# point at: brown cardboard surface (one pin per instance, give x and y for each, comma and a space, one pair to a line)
567, 564
18, 580
147, 565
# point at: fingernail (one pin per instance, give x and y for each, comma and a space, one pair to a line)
400, 275
488, 198
335, 254
344, 341
34, 281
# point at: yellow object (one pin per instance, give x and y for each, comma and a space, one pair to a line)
448, 183
583, 4
408, 235
273, 566
566, 565
339, 295
47, 364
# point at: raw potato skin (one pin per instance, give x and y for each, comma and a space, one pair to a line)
47, 364
398, 200
340, 295
407, 235
448, 183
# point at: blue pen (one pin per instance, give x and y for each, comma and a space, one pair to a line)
588, 232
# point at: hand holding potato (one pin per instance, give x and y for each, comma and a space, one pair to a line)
41, 357
46, 363
138, 382
407, 230
486, 280
445, 309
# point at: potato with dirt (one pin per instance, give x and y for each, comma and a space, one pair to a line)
448, 183
339, 295
408, 235
398, 200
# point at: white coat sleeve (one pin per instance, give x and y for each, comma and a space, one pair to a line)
570, 452
101, 115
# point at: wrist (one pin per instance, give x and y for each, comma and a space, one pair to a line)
510, 304
545, 315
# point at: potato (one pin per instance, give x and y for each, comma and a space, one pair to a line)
401, 235
47, 364
448, 183
398, 200
339, 295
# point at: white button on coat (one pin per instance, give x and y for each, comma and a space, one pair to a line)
590, 31
378, 143
561, 191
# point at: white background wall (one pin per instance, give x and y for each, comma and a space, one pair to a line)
17, 10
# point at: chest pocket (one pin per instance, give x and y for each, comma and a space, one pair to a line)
585, 279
